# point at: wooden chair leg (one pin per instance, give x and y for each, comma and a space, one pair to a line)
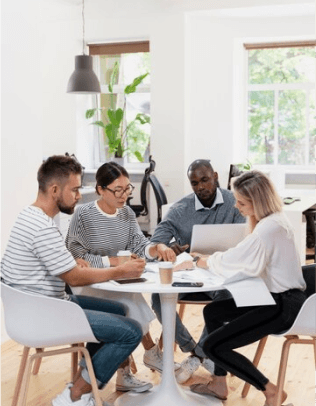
133, 364
160, 342
255, 361
95, 389
37, 363
26, 379
19, 379
74, 363
181, 310
282, 368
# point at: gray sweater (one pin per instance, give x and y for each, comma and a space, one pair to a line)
181, 217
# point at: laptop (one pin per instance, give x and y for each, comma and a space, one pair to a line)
209, 238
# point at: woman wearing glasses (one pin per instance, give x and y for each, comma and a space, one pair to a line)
97, 231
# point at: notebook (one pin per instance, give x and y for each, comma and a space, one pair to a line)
209, 238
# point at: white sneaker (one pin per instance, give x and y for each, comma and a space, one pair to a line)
208, 365
64, 399
126, 381
153, 359
188, 367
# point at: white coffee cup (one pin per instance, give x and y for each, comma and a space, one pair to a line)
166, 272
123, 256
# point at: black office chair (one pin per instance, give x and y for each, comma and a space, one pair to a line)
233, 171
310, 215
161, 199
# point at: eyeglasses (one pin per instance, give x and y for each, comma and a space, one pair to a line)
119, 192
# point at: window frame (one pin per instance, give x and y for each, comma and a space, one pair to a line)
276, 88
115, 48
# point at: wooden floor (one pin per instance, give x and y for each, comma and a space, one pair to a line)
55, 371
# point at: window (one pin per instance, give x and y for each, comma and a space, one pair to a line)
132, 60
281, 104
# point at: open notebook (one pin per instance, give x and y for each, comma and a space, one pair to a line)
209, 238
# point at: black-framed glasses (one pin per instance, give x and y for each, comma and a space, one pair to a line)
119, 192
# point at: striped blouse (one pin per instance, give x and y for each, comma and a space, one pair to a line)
94, 234
36, 254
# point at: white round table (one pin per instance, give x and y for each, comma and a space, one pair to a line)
168, 392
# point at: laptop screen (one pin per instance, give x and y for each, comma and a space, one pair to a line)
209, 238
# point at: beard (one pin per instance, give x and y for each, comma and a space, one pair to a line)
63, 208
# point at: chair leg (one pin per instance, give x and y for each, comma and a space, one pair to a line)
181, 310
95, 389
26, 378
37, 363
133, 364
74, 363
282, 368
255, 361
25, 354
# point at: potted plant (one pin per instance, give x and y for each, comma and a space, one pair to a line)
113, 119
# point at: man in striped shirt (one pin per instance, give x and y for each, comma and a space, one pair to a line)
36, 260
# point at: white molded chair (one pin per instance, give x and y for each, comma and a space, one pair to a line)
304, 325
39, 321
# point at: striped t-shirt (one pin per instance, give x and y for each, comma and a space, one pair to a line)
36, 254
94, 234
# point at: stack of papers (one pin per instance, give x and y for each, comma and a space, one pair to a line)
246, 291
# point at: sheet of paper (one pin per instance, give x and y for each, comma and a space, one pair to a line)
250, 292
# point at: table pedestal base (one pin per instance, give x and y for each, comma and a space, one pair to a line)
176, 396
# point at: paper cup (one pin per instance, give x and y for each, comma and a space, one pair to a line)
166, 273
123, 256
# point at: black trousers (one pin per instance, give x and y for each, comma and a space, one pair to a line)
231, 327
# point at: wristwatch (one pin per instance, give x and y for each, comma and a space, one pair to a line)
195, 260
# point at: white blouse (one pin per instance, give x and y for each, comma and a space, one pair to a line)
269, 252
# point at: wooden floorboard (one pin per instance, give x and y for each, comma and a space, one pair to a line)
55, 371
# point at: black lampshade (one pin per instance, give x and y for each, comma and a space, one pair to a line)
83, 80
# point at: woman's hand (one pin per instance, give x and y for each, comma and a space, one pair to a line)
133, 268
202, 261
183, 266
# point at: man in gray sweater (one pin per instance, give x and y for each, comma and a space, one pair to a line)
209, 204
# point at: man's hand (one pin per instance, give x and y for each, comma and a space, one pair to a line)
82, 263
132, 269
165, 253
178, 249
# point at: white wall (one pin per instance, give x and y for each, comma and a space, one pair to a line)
215, 49
34, 108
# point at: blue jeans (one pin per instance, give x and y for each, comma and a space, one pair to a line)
182, 336
118, 336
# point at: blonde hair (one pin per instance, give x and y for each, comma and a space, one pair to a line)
257, 188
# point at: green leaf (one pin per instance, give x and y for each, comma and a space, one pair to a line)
111, 133
132, 87
119, 115
90, 113
115, 116
138, 156
113, 77
99, 123
142, 118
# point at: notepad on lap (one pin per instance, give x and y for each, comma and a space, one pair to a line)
209, 238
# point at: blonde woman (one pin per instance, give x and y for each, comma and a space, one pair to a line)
270, 253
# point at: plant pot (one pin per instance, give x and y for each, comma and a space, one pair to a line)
118, 160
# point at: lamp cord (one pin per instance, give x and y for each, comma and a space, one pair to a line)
83, 31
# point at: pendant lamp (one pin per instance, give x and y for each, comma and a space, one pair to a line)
83, 80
